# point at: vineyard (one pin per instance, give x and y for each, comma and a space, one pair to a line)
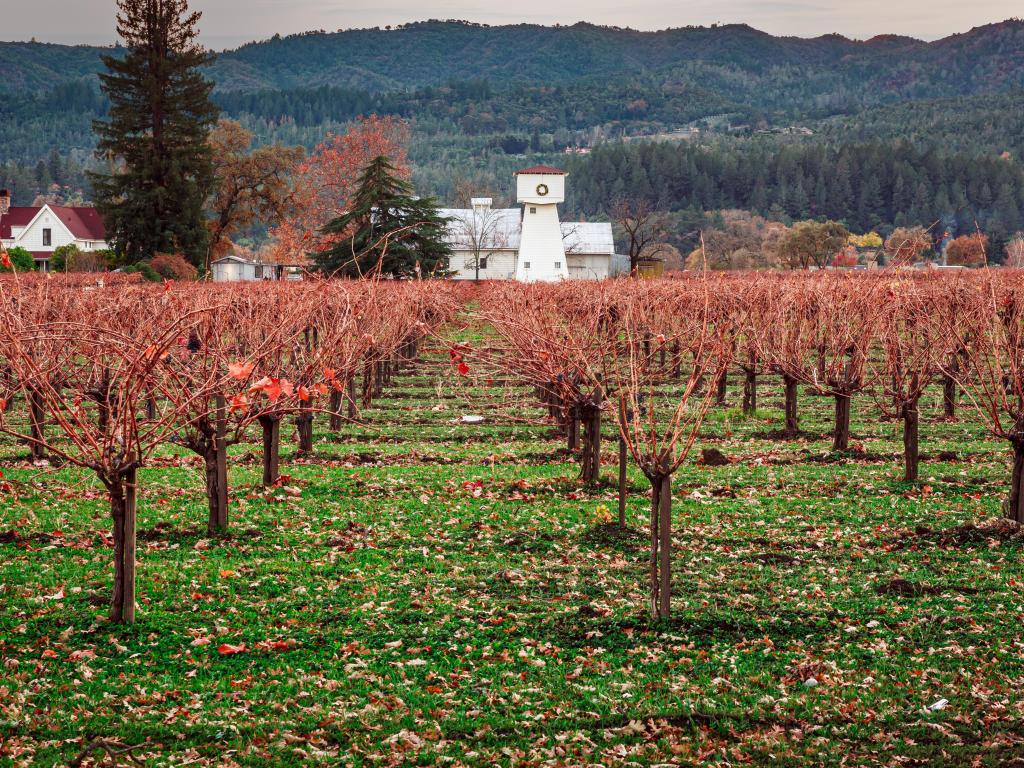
728, 519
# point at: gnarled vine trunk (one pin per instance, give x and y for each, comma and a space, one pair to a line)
335, 408
122, 493
948, 397
911, 458
791, 385
304, 429
660, 564
37, 425
841, 433
749, 389
591, 460
1015, 504
271, 426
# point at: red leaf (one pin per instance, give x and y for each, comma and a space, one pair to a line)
226, 649
463, 369
240, 371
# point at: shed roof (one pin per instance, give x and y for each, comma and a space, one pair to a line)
549, 170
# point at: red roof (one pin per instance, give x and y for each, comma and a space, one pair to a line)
83, 222
545, 169
16, 217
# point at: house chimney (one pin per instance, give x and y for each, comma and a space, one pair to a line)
5, 201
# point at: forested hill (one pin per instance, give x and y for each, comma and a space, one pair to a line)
986, 59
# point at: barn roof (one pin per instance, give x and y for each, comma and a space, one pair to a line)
501, 229
549, 170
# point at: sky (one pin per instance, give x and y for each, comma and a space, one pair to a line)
228, 23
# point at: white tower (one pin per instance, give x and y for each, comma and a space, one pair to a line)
541, 251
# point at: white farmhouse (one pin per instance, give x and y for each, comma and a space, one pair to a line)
528, 243
41, 230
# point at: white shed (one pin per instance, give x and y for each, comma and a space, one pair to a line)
231, 269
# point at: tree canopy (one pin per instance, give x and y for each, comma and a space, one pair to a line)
387, 228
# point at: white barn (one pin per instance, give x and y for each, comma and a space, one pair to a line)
41, 230
528, 243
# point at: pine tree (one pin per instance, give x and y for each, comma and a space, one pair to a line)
386, 226
156, 136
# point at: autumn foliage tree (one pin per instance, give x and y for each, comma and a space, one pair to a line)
250, 185
323, 184
967, 250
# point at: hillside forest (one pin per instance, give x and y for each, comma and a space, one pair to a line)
878, 134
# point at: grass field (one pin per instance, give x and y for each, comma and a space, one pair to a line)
423, 591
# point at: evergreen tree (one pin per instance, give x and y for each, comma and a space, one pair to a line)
386, 225
156, 136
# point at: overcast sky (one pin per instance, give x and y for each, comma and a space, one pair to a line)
227, 23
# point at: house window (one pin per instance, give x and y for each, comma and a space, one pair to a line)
558, 265
47, 237
526, 265
483, 262
532, 209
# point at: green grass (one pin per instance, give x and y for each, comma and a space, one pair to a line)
440, 593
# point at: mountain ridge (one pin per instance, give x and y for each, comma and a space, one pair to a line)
984, 59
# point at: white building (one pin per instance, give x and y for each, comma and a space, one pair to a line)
233, 269
528, 243
41, 230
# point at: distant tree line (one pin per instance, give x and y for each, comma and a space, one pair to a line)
871, 186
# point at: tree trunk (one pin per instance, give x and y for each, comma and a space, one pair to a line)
841, 434
749, 390
271, 448
792, 421
572, 429
677, 361
1015, 506
910, 440
123, 513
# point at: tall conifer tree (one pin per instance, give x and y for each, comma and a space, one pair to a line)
155, 139
387, 226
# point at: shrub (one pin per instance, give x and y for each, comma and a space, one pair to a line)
71, 258
172, 266
142, 268
21, 260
